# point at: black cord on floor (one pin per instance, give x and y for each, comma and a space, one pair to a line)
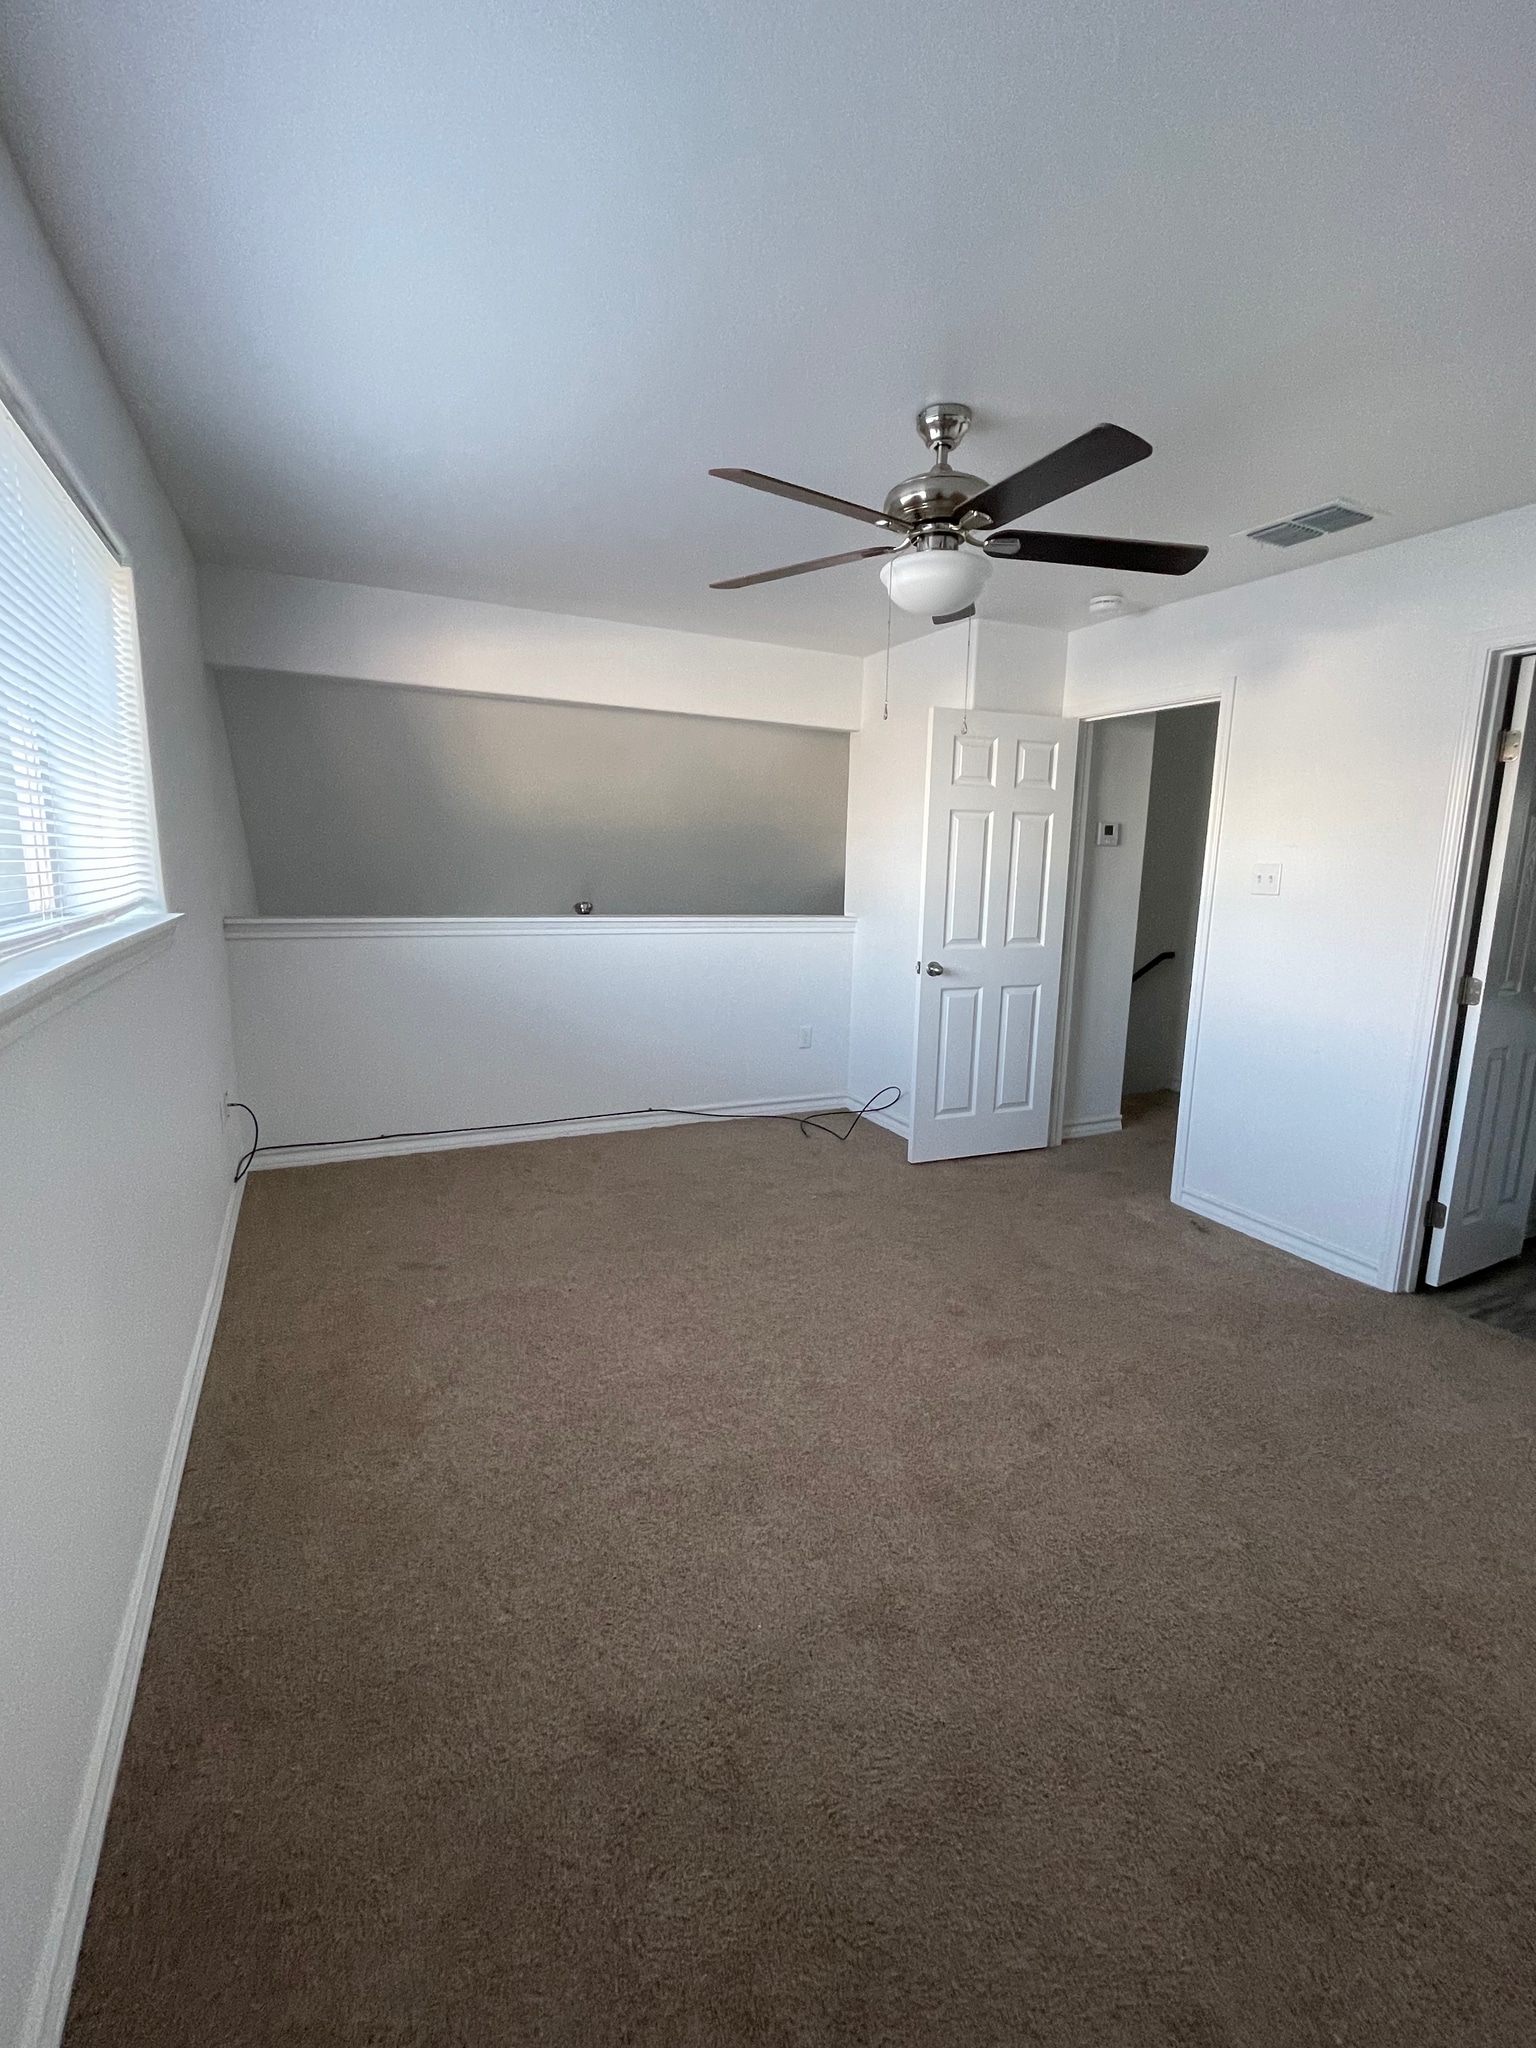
244, 1166
811, 1121
807, 1123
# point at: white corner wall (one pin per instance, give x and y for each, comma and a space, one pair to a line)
294, 625
115, 1210
1004, 668
349, 1030
1351, 692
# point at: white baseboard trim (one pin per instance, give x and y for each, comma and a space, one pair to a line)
1092, 1127
55, 1976
322, 1154
1315, 1250
888, 1120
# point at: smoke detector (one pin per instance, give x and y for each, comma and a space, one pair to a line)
1107, 605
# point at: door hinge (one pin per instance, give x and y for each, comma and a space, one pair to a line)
1509, 746
1435, 1215
1470, 994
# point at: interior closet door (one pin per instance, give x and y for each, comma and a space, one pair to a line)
1490, 1156
995, 852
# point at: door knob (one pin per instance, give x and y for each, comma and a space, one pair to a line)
934, 967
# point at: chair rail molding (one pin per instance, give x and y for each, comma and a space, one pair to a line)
247, 928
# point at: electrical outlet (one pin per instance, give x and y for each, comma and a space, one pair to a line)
805, 1037
224, 1108
1266, 878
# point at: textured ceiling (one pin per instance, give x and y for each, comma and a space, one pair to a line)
467, 296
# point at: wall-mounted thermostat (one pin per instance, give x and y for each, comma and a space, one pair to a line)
1108, 835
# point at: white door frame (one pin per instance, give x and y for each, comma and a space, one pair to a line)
1069, 928
1224, 698
1455, 908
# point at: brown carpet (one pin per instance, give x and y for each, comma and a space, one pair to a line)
1504, 1295
708, 1587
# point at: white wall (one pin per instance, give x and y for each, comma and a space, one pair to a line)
1016, 668
346, 1029
1109, 891
296, 626
887, 763
1351, 695
114, 1197
1011, 668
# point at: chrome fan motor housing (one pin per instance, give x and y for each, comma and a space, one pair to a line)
929, 502
937, 494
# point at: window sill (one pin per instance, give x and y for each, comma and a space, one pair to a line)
44, 979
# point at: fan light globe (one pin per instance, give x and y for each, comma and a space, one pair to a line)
933, 581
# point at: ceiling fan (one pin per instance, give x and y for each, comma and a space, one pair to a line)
946, 519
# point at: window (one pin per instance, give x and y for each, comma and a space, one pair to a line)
77, 837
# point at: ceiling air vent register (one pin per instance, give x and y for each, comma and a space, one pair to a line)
1290, 533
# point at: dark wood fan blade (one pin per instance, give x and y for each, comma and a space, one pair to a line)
1098, 453
756, 481
949, 618
801, 568
1089, 551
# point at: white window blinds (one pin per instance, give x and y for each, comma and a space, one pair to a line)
77, 840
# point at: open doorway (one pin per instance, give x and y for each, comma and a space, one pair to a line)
1140, 851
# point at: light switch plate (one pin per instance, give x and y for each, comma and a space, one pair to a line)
1266, 878
1107, 835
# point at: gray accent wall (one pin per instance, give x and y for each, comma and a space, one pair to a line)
370, 800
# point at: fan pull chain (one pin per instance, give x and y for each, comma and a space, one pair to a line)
965, 715
888, 614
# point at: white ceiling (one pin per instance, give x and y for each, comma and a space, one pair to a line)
465, 296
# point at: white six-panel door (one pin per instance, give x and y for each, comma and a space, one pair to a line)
1489, 1170
995, 852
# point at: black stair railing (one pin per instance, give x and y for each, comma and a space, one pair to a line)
1156, 961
